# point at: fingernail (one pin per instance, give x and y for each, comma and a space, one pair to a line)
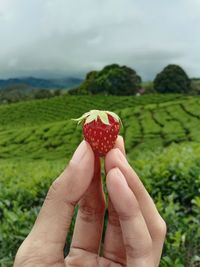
80, 152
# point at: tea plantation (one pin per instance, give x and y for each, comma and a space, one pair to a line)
162, 138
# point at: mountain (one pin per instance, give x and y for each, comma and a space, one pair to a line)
39, 83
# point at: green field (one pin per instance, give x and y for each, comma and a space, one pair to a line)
162, 138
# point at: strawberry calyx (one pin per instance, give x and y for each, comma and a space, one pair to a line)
93, 115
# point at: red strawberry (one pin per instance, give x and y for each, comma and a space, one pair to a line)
100, 130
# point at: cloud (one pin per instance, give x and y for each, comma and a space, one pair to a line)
65, 37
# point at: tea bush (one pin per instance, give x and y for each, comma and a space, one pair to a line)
172, 178
37, 138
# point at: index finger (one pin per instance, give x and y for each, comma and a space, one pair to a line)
154, 221
136, 237
113, 242
115, 158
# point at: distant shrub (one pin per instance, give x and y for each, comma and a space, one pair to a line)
172, 79
112, 79
42, 93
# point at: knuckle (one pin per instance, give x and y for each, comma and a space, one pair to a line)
137, 249
52, 193
160, 228
148, 244
136, 208
124, 216
163, 227
131, 212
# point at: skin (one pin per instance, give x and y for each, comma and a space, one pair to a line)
135, 231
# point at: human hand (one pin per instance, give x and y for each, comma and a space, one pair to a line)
135, 231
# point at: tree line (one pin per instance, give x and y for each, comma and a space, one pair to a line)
122, 80
19, 92
112, 80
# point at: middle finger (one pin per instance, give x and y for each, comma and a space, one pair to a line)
89, 223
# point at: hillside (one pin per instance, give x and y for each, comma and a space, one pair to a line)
32, 82
43, 128
161, 132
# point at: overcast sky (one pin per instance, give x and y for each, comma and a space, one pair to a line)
60, 38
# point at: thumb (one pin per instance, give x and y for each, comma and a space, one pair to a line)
56, 213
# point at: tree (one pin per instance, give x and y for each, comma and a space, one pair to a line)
112, 79
15, 93
57, 92
172, 79
42, 93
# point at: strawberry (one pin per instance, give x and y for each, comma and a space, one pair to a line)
100, 130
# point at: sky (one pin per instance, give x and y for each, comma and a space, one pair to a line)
62, 38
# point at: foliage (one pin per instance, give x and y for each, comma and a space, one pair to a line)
21, 92
173, 180
40, 129
161, 132
112, 79
24, 190
42, 93
172, 79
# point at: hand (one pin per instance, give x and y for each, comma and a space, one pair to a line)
135, 231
